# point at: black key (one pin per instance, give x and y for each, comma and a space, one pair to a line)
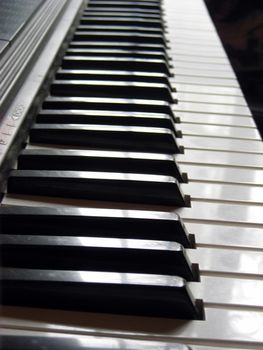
117, 45
115, 104
96, 254
87, 160
117, 53
116, 63
90, 74
138, 14
125, 4
95, 222
119, 28
76, 342
122, 37
71, 116
113, 20
102, 186
95, 88
117, 138
122, 10
106, 292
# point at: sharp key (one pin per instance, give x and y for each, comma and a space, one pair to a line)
106, 292
129, 45
88, 160
100, 88
118, 138
102, 186
121, 52
113, 20
129, 5
115, 104
119, 28
96, 254
115, 63
65, 116
95, 222
117, 75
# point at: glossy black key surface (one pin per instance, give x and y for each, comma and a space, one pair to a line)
137, 14
101, 88
97, 222
113, 20
71, 116
121, 52
118, 138
119, 28
116, 104
126, 4
88, 160
96, 254
77, 342
122, 37
115, 63
129, 45
102, 186
106, 292
123, 10
115, 75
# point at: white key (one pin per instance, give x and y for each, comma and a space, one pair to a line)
222, 119
206, 98
219, 131
198, 157
226, 213
222, 144
207, 66
222, 326
220, 235
229, 291
215, 261
213, 90
204, 81
214, 51
180, 57
245, 175
224, 192
211, 108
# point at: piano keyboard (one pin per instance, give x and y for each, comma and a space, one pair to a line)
133, 216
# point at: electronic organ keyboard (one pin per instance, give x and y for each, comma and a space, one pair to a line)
132, 200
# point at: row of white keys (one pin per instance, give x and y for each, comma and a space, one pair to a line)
223, 159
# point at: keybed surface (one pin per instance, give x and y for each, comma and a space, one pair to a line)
222, 158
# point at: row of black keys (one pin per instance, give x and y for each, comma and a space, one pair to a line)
129, 262
101, 260
104, 119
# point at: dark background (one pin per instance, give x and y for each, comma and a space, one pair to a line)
240, 26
